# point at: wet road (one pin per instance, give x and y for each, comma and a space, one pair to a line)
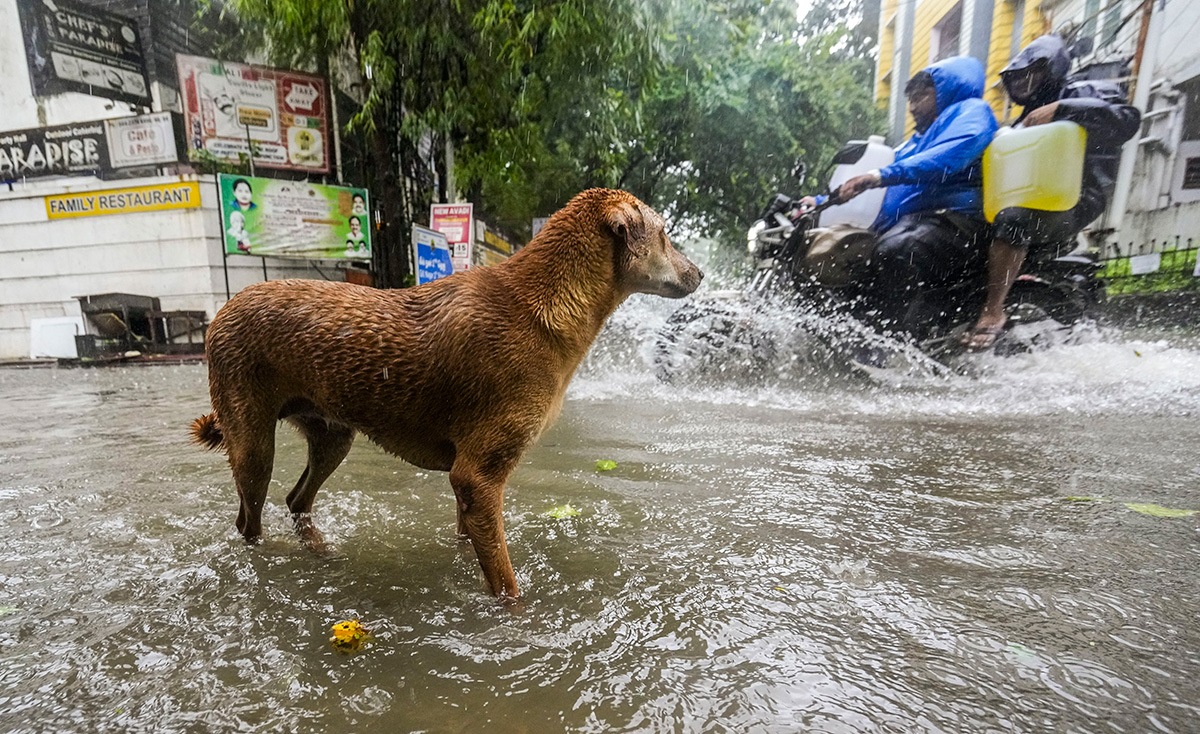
813, 554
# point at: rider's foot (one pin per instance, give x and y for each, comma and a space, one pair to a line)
984, 333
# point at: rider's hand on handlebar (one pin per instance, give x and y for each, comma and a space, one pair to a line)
856, 186
807, 204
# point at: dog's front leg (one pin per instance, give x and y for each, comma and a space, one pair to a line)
480, 497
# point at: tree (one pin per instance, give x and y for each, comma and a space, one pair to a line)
737, 96
475, 73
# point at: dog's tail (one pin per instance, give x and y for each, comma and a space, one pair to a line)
207, 433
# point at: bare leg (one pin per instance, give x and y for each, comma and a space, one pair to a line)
1004, 265
327, 447
480, 498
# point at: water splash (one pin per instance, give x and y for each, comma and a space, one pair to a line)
775, 354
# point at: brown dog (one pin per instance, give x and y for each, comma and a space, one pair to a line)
460, 375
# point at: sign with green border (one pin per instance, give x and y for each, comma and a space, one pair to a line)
278, 218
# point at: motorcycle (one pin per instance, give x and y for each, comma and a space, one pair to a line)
825, 271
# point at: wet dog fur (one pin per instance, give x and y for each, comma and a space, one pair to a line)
459, 375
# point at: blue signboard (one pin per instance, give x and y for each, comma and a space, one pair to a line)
432, 254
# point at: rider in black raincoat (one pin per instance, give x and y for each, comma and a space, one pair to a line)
1037, 80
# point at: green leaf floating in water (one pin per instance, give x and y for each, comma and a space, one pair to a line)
562, 511
8, 610
1087, 499
605, 465
1157, 511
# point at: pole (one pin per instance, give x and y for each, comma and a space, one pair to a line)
221, 233
337, 128
451, 194
249, 148
1144, 62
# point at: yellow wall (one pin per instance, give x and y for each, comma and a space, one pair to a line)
1000, 51
887, 47
926, 16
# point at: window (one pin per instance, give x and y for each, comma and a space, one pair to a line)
1018, 25
1191, 108
1090, 9
946, 35
1112, 22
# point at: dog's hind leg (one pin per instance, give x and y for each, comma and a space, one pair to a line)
251, 457
328, 444
480, 496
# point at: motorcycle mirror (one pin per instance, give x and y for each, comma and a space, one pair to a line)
800, 171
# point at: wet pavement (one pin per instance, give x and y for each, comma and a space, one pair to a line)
809, 552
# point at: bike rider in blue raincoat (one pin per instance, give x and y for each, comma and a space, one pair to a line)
931, 227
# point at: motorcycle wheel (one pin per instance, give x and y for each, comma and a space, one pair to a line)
708, 338
1035, 301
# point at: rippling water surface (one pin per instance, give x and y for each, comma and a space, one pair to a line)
810, 552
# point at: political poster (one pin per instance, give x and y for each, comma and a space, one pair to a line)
277, 218
457, 222
432, 254
231, 108
72, 47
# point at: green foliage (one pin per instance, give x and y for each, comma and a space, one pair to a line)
736, 96
698, 107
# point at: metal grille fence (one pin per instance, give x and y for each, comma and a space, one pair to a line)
1163, 266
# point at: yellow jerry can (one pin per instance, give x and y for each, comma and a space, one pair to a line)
1038, 167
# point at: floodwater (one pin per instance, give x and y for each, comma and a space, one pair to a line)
813, 553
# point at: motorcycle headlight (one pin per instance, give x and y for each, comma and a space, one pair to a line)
752, 242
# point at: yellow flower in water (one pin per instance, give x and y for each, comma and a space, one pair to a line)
349, 636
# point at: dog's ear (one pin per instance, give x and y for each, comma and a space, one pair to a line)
626, 224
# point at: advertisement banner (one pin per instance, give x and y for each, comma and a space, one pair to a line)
144, 140
153, 198
76, 48
432, 254
230, 107
267, 216
457, 222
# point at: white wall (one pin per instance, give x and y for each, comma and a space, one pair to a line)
174, 255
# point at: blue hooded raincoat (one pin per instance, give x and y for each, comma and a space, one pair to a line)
940, 168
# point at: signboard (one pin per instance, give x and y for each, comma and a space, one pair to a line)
144, 140
267, 216
432, 254
157, 197
1143, 264
227, 107
456, 222
88, 147
76, 48
53, 151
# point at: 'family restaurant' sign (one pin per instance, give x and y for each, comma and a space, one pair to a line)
157, 197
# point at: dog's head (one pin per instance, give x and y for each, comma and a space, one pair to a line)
646, 262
